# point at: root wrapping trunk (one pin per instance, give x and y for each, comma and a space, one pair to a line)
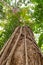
21, 49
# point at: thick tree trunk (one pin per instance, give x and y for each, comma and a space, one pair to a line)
21, 49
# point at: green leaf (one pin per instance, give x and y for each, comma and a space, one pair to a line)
40, 40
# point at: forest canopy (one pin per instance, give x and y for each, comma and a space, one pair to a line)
20, 12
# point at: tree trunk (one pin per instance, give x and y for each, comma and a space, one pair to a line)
21, 49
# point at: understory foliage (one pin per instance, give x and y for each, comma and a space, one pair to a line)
28, 12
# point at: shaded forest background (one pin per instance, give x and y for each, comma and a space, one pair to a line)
20, 12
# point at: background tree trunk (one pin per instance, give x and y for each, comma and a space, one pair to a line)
21, 49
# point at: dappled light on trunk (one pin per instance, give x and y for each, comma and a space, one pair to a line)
21, 49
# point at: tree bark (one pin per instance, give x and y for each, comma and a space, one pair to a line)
21, 49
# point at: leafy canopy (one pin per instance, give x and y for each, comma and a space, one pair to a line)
29, 12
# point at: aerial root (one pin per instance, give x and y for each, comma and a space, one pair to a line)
7, 47
13, 49
3, 63
4, 47
26, 50
7, 54
34, 42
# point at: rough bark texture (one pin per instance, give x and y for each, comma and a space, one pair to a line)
21, 49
